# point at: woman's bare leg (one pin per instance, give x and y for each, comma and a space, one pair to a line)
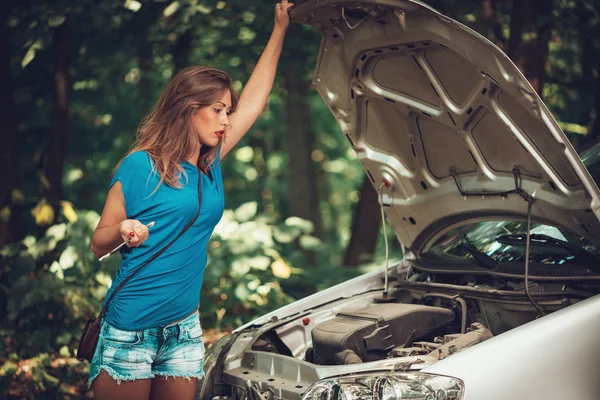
173, 388
106, 388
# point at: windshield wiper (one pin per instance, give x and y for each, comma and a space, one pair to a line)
590, 260
482, 259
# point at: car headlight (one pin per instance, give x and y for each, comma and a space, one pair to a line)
387, 386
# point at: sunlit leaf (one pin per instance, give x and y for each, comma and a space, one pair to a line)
64, 352
244, 154
251, 174
573, 128
259, 262
286, 234
246, 34
310, 242
103, 279
57, 270
242, 292
305, 225
240, 266
56, 20
201, 8
250, 235
133, 5
68, 211
264, 290
30, 55
68, 257
281, 269
246, 211
57, 232
227, 226
43, 213
171, 9
248, 17
253, 284
17, 196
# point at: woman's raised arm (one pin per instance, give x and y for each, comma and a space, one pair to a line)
256, 92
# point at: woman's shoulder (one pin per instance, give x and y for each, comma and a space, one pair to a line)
138, 157
138, 160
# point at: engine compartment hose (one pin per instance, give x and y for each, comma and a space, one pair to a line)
347, 357
463, 307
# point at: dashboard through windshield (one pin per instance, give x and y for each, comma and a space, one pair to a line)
505, 241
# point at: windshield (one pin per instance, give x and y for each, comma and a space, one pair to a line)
591, 159
500, 241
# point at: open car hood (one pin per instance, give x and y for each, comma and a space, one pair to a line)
433, 108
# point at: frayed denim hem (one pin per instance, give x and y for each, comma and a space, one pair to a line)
116, 376
189, 377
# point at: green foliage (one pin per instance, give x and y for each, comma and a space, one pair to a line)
258, 264
42, 377
54, 283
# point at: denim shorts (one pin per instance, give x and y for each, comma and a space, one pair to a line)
173, 350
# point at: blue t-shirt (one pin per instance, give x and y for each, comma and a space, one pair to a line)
168, 288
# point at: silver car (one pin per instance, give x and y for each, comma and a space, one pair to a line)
496, 295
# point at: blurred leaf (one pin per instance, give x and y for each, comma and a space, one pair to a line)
57, 232
305, 225
5, 214
17, 196
56, 20
244, 154
259, 262
30, 55
69, 211
310, 242
133, 5
246, 211
242, 292
286, 234
171, 9
64, 351
68, 257
43, 213
281, 269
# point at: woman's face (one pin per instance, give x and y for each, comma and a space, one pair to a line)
211, 122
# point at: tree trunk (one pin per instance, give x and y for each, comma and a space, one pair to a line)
588, 56
9, 151
181, 51
365, 227
56, 149
489, 24
304, 195
146, 19
517, 21
537, 49
595, 131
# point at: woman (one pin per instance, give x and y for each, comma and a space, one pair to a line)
150, 344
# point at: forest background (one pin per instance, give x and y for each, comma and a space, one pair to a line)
76, 77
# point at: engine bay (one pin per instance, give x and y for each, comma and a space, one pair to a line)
425, 318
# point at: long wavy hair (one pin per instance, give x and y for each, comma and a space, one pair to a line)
166, 133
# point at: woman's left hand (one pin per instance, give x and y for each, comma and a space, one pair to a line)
282, 18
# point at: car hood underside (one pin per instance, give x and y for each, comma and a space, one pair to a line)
442, 121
